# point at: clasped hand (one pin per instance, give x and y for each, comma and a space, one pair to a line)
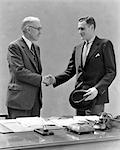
91, 93
48, 80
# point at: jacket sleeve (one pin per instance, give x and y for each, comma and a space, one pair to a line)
110, 67
17, 68
68, 73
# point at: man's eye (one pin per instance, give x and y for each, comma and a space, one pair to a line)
80, 28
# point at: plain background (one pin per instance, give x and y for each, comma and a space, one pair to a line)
59, 20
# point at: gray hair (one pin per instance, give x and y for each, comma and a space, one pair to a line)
27, 21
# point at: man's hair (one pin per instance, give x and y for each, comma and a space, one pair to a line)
89, 20
27, 21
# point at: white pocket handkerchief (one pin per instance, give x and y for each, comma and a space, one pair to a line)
97, 55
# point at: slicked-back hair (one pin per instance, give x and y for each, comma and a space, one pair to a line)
89, 20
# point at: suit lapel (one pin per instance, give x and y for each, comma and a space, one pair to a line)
93, 48
79, 55
38, 58
28, 53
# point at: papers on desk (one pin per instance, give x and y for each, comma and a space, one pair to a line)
4, 129
86, 118
14, 126
32, 123
62, 122
21, 124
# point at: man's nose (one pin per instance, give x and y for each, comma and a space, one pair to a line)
80, 31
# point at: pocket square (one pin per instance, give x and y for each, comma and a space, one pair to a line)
97, 55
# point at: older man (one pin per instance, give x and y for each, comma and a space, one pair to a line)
24, 96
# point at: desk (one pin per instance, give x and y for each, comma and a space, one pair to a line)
61, 140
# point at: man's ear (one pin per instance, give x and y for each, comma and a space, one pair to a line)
28, 29
92, 27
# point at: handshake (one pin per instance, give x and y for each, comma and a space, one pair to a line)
48, 80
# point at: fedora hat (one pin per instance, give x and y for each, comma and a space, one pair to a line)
77, 99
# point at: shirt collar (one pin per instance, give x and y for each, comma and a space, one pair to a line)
91, 40
28, 42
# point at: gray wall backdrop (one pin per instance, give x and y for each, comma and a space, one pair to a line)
59, 19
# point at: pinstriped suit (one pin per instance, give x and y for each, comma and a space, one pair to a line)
25, 76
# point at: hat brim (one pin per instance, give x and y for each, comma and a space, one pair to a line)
77, 99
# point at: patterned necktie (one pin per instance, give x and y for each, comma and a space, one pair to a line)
32, 49
84, 54
34, 54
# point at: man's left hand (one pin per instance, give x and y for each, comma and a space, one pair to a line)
92, 93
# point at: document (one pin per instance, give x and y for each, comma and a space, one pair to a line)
4, 129
86, 118
62, 122
22, 124
13, 126
31, 123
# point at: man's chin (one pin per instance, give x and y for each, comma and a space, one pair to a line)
82, 38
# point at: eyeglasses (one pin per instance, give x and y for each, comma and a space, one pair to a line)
39, 28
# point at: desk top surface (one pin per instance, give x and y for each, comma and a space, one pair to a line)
31, 139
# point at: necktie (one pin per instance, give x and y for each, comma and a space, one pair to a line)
84, 54
34, 54
32, 49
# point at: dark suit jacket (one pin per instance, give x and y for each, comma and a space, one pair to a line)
25, 76
99, 70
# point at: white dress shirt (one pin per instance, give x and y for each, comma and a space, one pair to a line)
86, 49
28, 42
